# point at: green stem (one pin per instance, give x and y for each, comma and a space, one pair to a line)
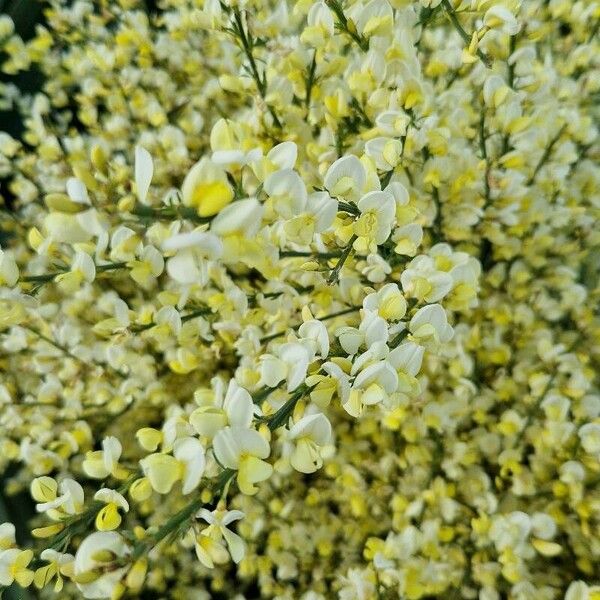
170, 213
335, 273
346, 26
192, 315
547, 152
247, 43
68, 353
484, 155
310, 81
44, 277
399, 338
340, 313
349, 208
179, 519
315, 255
463, 34
282, 415
536, 406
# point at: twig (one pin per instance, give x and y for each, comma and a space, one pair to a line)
333, 277
463, 34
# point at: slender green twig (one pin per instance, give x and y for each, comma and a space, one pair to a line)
310, 82
399, 338
247, 46
351, 209
180, 519
335, 273
45, 277
201, 312
345, 311
484, 155
463, 34
68, 353
169, 213
347, 26
79, 523
281, 416
546, 155
536, 406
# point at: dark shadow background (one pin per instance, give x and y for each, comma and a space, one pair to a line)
26, 14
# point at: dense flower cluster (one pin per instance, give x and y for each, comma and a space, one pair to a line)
300, 300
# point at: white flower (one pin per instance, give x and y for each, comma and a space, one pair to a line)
543, 526
357, 585
7, 535
234, 408
499, 17
342, 380
323, 208
13, 567
124, 244
168, 319
373, 227
385, 152
375, 379
388, 302
107, 495
194, 252
308, 434
422, 280
313, 334
9, 272
393, 122
287, 192
430, 324
235, 157
321, 18
408, 238
190, 454
495, 91
84, 265
108, 518
77, 191
226, 144
319, 214
102, 463
144, 170
243, 450
283, 156
69, 500
372, 329
346, 177
376, 268
60, 563
162, 470
206, 188
242, 218
408, 357
578, 590
510, 531
103, 586
589, 434
218, 521
65, 228
289, 362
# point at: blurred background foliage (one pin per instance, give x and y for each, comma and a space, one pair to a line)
26, 15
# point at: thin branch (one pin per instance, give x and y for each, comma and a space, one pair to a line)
463, 34
547, 152
335, 273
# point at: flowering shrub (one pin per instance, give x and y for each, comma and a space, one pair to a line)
300, 300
